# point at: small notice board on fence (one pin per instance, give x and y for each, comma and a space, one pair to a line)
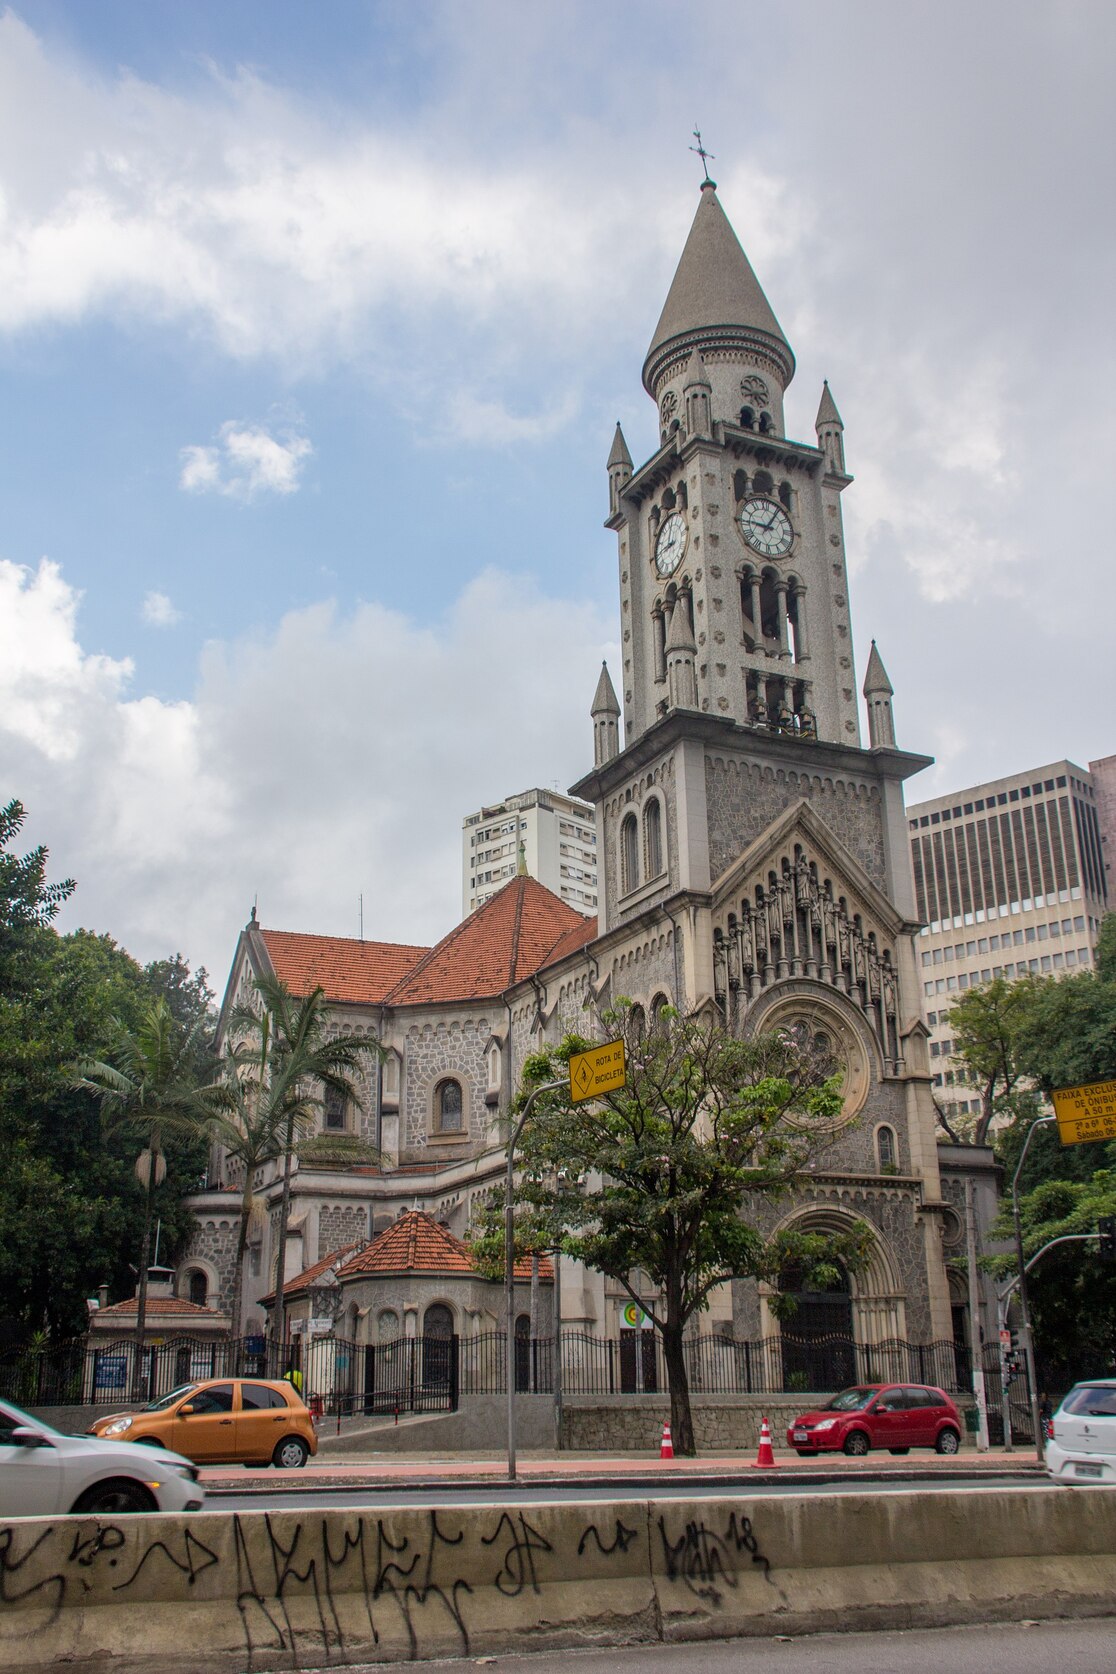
1085, 1113
601, 1070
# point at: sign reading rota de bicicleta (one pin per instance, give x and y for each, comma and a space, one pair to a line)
598, 1071
1085, 1113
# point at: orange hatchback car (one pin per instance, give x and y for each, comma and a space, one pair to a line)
222, 1421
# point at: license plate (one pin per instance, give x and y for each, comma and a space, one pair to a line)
1089, 1470
800, 1435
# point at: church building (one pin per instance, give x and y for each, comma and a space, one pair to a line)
753, 861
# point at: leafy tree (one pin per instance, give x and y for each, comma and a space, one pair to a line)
148, 1088
27, 901
673, 1175
989, 1031
290, 1058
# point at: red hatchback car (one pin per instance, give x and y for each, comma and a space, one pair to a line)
897, 1416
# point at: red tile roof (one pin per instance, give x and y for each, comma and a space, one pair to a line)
360, 973
159, 1305
302, 1281
416, 1243
523, 928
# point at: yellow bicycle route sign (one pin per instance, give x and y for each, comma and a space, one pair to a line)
600, 1070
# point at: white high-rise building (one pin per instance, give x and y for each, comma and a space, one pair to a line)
553, 837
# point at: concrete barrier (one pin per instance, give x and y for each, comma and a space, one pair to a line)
268, 1590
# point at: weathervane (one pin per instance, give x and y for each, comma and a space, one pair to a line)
707, 157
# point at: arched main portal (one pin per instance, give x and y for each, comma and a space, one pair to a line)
817, 1339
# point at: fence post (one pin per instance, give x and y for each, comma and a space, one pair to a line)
454, 1370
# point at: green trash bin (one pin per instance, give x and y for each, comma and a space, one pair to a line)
972, 1421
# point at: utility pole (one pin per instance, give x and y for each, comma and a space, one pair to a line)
975, 1345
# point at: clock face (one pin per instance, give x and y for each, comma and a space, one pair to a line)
670, 545
766, 527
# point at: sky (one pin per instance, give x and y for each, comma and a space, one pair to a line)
315, 322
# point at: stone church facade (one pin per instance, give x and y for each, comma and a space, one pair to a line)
753, 861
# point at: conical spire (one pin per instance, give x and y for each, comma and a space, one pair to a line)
714, 285
878, 691
619, 455
827, 410
606, 720
605, 701
875, 678
695, 371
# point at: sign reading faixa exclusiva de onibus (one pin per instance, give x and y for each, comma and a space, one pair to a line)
1085, 1113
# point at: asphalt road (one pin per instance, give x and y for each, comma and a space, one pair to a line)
286, 1498
999, 1648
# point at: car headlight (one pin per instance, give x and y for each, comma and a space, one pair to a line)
190, 1472
117, 1427
825, 1424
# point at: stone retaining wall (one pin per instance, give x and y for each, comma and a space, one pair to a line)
253, 1591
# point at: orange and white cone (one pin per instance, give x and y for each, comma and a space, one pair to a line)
666, 1446
765, 1458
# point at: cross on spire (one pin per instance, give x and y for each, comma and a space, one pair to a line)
707, 157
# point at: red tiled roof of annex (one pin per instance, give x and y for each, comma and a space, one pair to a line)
302, 1281
359, 973
158, 1305
523, 928
417, 1243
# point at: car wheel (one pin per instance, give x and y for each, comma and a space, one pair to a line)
806, 1452
114, 1498
948, 1442
150, 1441
856, 1444
898, 1450
291, 1453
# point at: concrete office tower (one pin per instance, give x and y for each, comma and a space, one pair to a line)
551, 837
1009, 878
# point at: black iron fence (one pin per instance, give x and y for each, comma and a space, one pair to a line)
431, 1374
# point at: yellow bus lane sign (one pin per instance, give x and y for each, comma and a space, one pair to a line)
601, 1070
1086, 1112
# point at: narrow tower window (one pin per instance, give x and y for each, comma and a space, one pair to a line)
653, 838
629, 853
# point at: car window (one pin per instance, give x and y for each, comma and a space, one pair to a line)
916, 1399
217, 1398
8, 1423
892, 1400
257, 1397
170, 1400
1091, 1402
849, 1400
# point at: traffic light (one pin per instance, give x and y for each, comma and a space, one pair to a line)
1106, 1227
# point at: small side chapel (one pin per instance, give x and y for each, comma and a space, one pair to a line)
752, 859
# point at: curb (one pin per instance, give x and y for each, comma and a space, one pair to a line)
436, 1484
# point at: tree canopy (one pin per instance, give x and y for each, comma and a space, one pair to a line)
674, 1176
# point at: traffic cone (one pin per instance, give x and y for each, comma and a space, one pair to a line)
765, 1458
666, 1446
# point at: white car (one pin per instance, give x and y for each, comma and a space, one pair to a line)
1082, 1447
43, 1473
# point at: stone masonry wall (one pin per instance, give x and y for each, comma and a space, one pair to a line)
744, 798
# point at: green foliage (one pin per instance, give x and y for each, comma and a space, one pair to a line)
71, 1208
989, 1027
674, 1176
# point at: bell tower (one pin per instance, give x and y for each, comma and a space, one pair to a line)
730, 520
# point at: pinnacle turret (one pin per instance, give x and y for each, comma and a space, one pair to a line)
878, 692
606, 720
831, 432
619, 455
619, 471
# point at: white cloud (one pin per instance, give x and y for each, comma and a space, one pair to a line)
331, 758
245, 461
159, 612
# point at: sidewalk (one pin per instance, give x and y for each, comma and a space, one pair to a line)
541, 1468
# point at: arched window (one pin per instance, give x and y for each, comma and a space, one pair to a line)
763, 483
387, 1325
766, 424
629, 854
786, 495
334, 1117
448, 1111
199, 1288
739, 486
747, 417
656, 1007
437, 1321
638, 1022
885, 1148
653, 838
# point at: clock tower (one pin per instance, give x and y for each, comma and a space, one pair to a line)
752, 852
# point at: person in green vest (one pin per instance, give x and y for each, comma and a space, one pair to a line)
293, 1376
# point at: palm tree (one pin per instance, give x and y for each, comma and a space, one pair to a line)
292, 1061
149, 1088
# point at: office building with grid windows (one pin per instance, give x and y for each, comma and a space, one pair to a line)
1009, 879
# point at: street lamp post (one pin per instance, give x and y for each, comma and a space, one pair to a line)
1024, 1306
509, 1265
